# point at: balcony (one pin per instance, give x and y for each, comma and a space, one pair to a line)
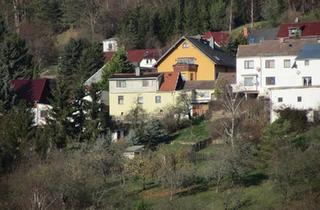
179, 67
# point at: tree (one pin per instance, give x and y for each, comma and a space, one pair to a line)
91, 61
15, 132
271, 11
218, 15
118, 64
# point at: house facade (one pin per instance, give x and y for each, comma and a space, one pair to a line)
273, 64
36, 93
196, 59
110, 45
152, 91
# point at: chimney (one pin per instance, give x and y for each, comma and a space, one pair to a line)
211, 42
245, 32
138, 72
297, 20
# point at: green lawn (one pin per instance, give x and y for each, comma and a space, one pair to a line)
192, 134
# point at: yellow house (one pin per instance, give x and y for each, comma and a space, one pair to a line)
196, 59
152, 91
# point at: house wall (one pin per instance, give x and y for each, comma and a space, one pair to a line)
284, 77
206, 67
37, 110
134, 85
110, 43
148, 63
310, 99
149, 103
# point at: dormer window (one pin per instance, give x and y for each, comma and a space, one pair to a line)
294, 32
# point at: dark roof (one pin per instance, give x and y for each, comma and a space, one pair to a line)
229, 77
220, 37
309, 51
137, 55
200, 85
216, 54
260, 35
133, 75
274, 48
308, 29
32, 90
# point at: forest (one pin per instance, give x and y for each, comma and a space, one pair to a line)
72, 163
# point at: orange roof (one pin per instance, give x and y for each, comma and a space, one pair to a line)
170, 81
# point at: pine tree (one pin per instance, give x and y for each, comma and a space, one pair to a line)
119, 63
70, 60
218, 15
59, 121
91, 61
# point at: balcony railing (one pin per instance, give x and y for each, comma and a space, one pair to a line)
185, 67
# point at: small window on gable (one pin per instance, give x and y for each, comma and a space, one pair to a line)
306, 63
299, 98
185, 45
307, 81
280, 99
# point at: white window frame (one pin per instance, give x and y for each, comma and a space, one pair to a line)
121, 84
268, 64
249, 64
286, 63
158, 99
120, 100
307, 81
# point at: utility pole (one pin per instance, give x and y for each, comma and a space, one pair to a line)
231, 16
252, 12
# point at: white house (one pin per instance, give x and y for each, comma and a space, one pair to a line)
273, 64
110, 45
285, 71
36, 93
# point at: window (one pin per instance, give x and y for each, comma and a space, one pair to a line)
307, 81
186, 61
294, 32
109, 46
249, 64
191, 76
44, 113
121, 84
299, 98
140, 100
270, 80
158, 99
280, 99
286, 63
306, 62
120, 100
270, 64
185, 45
249, 81
146, 83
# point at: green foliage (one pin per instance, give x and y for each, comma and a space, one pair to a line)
297, 118
15, 134
118, 64
218, 15
271, 11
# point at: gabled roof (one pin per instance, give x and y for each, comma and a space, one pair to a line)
137, 55
309, 29
309, 51
170, 81
220, 37
32, 90
274, 48
217, 55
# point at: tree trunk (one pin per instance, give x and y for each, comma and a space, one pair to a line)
231, 16
16, 15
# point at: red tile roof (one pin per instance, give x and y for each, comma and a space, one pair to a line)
308, 29
136, 55
220, 37
32, 90
170, 81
